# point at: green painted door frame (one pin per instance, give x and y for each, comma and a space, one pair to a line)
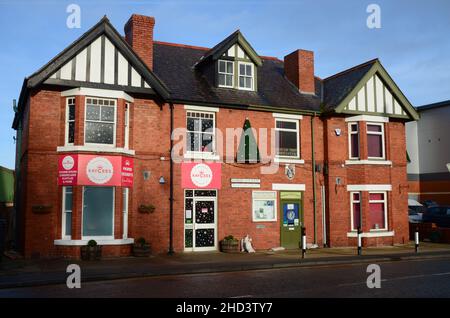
291, 219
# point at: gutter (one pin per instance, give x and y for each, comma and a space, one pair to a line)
171, 251
314, 178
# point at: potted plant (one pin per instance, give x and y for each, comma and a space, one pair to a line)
141, 248
229, 244
146, 208
92, 251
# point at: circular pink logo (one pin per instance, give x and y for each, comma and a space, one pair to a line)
201, 175
68, 163
99, 170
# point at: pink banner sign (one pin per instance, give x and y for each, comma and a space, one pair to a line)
201, 175
75, 169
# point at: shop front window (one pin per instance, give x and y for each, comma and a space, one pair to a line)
98, 212
67, 212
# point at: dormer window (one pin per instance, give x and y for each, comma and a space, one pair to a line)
246, 75
233, 62
226, 73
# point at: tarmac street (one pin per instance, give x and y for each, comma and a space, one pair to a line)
399, 278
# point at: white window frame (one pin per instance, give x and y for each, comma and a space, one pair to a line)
352, 201
64, 213
190, 153
127, 126
125, 208
113, 145
297, 131
350, 133
384, 201
252, 86
97, 238
225, 73
383, 150
66, 139
274, 193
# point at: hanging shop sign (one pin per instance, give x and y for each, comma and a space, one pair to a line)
76, 169
201, 175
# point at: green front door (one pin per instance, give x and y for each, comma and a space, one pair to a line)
291, 216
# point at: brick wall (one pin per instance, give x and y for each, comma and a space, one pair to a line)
149, 137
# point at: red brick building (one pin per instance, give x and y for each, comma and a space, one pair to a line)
94, 148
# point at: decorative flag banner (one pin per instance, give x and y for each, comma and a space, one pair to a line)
76, 169
201, 175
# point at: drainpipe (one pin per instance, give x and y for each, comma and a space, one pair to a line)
171, 251
314, 177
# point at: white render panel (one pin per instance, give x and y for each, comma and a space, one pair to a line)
109, 62
146, 85
66, 71
241, 53
397, 108
135, 78
370, 95
96, 55
352, 104
362, 99
122, 70
380, 96
80, 69
389, 101
231, 51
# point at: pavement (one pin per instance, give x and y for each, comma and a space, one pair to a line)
27, 273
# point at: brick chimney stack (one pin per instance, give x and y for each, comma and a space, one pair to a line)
299, 69
139, 34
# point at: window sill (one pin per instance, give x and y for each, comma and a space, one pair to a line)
199, 155
64, 242
71, 148
369, 162
287, 160
372, 233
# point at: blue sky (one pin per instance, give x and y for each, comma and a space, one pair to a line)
412, 43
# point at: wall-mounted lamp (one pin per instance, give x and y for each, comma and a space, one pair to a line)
162, 180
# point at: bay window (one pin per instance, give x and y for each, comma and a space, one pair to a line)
98, 212
377, 211
200, 132
67, 195
353, 141
70, 121
226, 73
375, 141
100, 121
125, 194
287, 138
355, 207
246, 75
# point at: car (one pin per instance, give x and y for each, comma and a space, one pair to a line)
415, 211
440, 215
428, 203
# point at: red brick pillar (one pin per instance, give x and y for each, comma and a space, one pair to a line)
79, 120
120, 127
363, 151
118, 217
